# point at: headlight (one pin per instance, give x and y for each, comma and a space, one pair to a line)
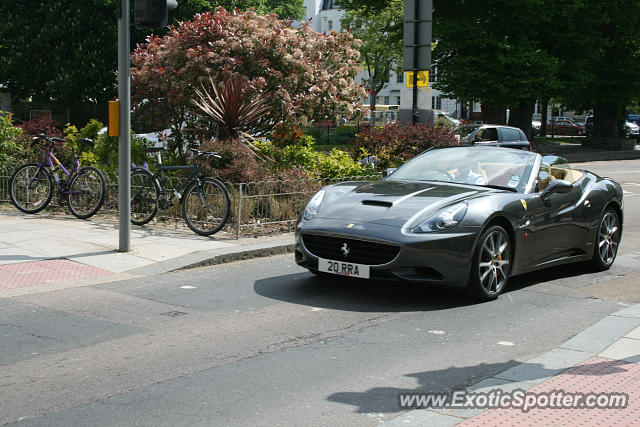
445, 219
312, 207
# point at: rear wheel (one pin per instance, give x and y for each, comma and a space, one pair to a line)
31, 188
607, 241
144, 196
491, 264
87, 192
206, 211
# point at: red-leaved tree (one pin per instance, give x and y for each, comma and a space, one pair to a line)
307, 74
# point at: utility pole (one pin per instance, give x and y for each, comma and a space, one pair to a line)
124, 146
415, 100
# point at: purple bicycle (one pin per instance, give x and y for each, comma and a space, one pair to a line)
31, 186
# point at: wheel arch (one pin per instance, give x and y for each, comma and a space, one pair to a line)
503, 222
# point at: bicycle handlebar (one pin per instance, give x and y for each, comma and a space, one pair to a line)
52, 139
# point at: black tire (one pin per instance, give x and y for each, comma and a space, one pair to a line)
87, 192
206, 216
491, 264
607, 241
144, 196
31, 197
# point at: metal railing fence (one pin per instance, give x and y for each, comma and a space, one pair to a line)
257, 208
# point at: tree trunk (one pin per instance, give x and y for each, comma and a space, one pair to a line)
544, 104
493, 114
520, 117
605, 120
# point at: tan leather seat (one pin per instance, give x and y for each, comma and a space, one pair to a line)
544, 176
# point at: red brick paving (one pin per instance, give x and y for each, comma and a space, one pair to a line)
47, 271
596, 375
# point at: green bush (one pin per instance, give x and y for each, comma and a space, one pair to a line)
395, 143
340, 135
302, 155
12, 140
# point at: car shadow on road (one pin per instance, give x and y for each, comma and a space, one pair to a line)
577, 274
386, 399
359, 295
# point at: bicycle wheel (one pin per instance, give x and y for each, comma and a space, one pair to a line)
31, 188
144, 196
206, 207
87, 192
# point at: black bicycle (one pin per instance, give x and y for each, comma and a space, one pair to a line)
205, 200
31, 185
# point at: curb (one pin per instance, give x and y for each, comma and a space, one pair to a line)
218, 256
599, 338
242, 255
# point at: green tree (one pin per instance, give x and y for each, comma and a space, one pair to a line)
65, 52
605, 75
363, 6
488, 51
285, 9
55, 50
381, 36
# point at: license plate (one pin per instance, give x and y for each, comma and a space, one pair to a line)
343, 268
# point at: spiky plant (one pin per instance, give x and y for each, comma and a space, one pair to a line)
236, 112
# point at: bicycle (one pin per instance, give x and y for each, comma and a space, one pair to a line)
31, 185
205, 200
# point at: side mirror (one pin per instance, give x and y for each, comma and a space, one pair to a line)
389, 171
556, 186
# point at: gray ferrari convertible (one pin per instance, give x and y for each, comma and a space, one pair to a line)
463, 217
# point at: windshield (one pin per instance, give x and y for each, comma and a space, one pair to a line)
487, 166
464, 131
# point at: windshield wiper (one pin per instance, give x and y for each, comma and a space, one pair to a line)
498, 187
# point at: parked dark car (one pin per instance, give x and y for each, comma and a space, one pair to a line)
494, 135
463, 217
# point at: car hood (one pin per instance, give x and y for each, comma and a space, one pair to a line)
393, 203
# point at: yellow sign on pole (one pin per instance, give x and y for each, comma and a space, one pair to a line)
114, 118
421, 76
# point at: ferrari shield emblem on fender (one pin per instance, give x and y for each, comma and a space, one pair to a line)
350, 225
524, 203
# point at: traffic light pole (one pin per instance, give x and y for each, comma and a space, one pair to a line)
124, 147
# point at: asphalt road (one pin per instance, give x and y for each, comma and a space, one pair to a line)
263, 342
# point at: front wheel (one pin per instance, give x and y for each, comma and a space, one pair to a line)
144, 196
87, 192
607, 241
206, 206
491, 264
31, 188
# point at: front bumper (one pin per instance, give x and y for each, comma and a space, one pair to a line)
430, 258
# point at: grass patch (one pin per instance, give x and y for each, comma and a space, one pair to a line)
561, 139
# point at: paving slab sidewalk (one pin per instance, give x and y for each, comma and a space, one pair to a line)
602, 359
52, 249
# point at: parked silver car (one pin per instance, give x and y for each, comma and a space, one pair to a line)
494, 135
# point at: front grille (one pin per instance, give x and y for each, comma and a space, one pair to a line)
359, 251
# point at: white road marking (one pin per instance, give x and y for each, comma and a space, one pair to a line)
187, 287
505, 343
436, 332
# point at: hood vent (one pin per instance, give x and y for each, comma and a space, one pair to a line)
381, 203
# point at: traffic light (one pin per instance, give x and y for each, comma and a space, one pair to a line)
152, 13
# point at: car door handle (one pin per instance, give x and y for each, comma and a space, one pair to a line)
587, 203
